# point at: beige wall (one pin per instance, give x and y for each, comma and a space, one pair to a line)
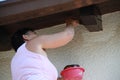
97, 52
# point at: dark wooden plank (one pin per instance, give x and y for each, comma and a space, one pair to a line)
109, 6
91, 18
83, 3
36, 13
88, 16
43, 22
47, 11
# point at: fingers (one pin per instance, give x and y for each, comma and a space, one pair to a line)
72, 22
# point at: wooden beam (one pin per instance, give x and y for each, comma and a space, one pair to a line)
91, 18
43, 22
40, 12
83, 3
35, 13
109, 6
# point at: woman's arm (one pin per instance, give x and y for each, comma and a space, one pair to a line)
53, 40
58, 39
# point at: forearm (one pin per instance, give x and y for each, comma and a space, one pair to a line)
58, 39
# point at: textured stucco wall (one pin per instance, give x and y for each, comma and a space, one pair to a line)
97, 52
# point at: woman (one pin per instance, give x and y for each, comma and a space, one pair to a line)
30, 61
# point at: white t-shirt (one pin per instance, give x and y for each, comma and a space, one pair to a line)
27, 65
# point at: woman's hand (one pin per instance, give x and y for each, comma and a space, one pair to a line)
72, 22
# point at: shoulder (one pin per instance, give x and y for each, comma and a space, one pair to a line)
34, 45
